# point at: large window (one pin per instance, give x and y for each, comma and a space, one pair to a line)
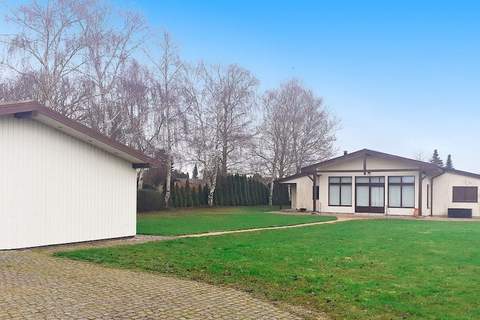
465, 194
340, 191
401, 192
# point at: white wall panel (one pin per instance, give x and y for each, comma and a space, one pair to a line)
443, 193
57, 189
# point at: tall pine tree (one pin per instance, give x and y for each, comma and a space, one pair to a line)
195, 172
436, 159
449, 164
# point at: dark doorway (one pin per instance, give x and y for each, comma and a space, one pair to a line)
370, 194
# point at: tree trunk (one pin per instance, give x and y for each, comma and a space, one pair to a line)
168, 181
223, 170
270, 194
140, 179
212, 187
211, 192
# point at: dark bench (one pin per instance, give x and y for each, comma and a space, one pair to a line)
459, 213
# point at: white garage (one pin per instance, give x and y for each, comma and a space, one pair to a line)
61, 182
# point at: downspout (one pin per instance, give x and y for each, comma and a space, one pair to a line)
365, 164
314, 191
420, 187
431, 195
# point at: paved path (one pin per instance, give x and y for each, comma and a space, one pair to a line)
34, 285
218, 233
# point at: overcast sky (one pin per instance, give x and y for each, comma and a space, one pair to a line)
403, 78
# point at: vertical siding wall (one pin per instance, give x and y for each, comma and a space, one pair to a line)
57, 189
443, 193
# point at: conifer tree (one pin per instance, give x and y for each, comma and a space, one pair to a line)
248, 190
176, 197
229, 191
436, 159
195, 172
449, 163
195, 199
205, 194
256, 192
188, 194
182, 197
245, 191
189, 197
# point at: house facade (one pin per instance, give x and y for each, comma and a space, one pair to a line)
62, 182
373, 182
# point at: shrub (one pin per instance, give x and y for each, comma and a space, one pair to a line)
149, 200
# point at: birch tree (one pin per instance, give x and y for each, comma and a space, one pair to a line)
46, 49
233, 91
203, 130
312, 126
272, 143
108, 50
168, 89
296, 131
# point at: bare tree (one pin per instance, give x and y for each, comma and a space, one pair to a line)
168, 106
312, 127
233, 91
108, 50
46, 49
296, 131
273, 141
17, 88
134, 103
203, 130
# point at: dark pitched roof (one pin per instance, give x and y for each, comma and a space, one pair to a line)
73, 128
368, 152
463, 173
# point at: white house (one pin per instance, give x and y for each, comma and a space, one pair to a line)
368, 181
62, 182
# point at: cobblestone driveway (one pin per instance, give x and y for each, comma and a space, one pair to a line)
34, 285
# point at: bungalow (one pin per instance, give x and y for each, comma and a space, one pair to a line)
368, 181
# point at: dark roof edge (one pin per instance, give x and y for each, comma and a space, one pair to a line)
462, 173
293, 176
32, 106
368, 152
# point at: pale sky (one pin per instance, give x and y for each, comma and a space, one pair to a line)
403, 77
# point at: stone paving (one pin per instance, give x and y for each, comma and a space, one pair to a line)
35, 285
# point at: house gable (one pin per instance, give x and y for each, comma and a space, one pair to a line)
366, 161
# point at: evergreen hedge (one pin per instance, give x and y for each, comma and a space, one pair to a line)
231, 190
149, 200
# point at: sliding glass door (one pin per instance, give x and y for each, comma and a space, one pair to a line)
370, 194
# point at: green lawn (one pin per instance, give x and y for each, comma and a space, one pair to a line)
189, 221
367, 269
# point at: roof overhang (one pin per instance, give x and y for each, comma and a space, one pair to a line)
426, 167
51, 118
289, 179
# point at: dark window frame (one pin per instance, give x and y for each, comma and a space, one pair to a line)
370, 184
340, 191
316, 192
458, 188
401, 184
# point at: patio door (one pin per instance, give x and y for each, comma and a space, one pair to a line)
370, 194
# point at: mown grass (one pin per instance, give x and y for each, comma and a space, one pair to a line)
189, 221
375, 269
